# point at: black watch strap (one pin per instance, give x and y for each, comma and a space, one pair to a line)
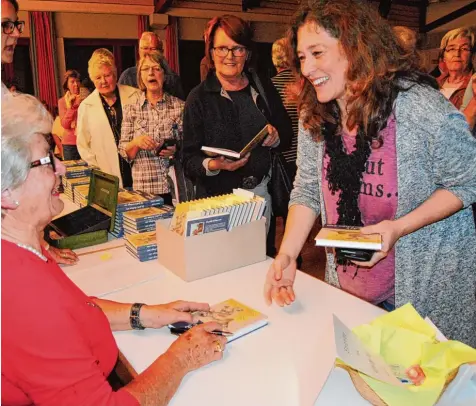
135, 316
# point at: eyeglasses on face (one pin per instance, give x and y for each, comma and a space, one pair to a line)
154, 69
460, 50
47, 160
235, 51
9, 26
149, 48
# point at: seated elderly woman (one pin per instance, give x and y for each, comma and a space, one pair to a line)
57, 344
457, 47
154, 119
100, 118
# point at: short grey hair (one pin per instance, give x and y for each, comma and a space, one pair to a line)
101, 57
462, 32
23, 116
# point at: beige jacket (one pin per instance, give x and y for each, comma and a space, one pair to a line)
95, 140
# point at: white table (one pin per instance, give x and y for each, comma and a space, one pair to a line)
285, 363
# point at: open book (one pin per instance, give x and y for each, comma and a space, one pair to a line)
228, 153
347, 237
233, 316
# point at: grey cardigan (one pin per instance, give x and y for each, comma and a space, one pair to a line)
435, 267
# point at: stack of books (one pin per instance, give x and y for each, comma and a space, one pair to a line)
128, 200
143, 220
80, 195
70, 185
217, 213
142, 246
77, 173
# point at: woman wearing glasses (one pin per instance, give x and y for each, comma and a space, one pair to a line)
457, 47
155, 118
57, 343
11, 30
227, 110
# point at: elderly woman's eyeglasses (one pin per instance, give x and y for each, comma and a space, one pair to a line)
47, 160
236, 51
9, 26
454, 50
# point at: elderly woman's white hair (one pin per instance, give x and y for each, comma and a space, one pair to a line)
101, 57
23, 116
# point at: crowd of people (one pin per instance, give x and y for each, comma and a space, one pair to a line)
369, 139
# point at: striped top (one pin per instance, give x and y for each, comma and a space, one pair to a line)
281, 81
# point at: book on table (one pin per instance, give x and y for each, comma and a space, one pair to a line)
234, 155
338, 236
234, 317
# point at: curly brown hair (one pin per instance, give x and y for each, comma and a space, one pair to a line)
377, 62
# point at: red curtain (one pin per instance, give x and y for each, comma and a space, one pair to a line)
8, 72
171, 41
142, 25
43, 57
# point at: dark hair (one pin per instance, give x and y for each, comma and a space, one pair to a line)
376, 64
14, 3
71, 73
236, 28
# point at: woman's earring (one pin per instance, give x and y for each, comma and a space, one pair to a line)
17, 203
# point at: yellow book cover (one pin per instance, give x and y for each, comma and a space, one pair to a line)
142, 239
126, 196
144, 213
234, 317
347, 237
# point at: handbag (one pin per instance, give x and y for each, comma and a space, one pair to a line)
280, 184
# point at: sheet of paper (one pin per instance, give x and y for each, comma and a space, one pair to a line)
354, 353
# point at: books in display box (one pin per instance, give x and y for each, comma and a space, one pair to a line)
88, 225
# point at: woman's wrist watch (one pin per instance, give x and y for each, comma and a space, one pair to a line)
134, 317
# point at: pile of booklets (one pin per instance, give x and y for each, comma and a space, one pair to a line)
128, 200
80, 195
143, 220
142, 246
217, 213
77, 173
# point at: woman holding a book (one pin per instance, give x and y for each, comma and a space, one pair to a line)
154, 120
227, 110
57, 343
380, 147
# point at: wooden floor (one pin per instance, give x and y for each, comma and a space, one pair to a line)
313, 258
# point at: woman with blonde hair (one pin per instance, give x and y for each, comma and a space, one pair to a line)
154, 120
100, 118
457, 48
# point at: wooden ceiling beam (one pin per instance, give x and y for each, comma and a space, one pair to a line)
162, 5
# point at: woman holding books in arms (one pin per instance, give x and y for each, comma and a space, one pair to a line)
57, 343
227, 110
380, 147
156, 117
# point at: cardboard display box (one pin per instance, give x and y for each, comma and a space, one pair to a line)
209, 254
90, 224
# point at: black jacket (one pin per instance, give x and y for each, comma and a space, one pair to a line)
211, 120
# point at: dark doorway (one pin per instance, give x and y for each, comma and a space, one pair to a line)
22, 73
78, 52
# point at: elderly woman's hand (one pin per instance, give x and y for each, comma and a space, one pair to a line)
199, 346
63, 256
158, 316
168, 152
145, 142
272, 138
